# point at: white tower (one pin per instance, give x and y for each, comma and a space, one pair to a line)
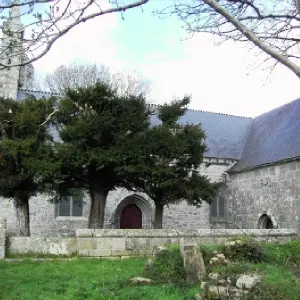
12, 78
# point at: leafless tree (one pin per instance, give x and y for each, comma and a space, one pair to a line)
76, 75
44, 22
271, 25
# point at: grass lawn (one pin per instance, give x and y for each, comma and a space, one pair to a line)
82, 279
280, 268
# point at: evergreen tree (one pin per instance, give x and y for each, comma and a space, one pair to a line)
108, 142
24, 147
169, 159
95, 123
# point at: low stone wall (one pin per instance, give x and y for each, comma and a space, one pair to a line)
42, 246
2, 238
120, 243
103, 243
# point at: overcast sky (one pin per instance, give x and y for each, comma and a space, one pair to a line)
226, 79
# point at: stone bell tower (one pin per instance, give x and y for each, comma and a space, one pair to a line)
12, 53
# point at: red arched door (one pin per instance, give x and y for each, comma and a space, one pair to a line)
131, 217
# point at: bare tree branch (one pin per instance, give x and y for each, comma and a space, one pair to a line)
43, 27
252, 37
82, 76
272, 26
49, 118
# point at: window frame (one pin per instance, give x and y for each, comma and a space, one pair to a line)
70, 216
217, 218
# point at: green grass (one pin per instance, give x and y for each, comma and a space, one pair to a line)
82, 279
280, 270
79, 279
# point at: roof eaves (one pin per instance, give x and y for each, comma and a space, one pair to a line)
278, 162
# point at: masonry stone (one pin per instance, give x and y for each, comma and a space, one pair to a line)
271, 196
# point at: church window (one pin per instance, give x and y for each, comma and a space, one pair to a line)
69, 208
218, 208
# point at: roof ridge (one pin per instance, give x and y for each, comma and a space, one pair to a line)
246, 139
217, 113
206, 111
276, 108
38, 91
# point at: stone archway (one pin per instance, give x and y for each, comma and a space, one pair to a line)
265, 222
135, 203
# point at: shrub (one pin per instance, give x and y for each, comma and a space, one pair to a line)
167, 266
244, 250
208, 251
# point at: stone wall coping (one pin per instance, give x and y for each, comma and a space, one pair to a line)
26, 239
174, 233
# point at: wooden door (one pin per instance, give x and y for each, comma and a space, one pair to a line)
131, 217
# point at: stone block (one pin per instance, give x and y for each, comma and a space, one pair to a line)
2, 223
111, 243
272, 171
159, 241
282, 176
129, 244
2, 242
142, 243
84, 232
2, 252
100, 252
217, 292
145, 252
193, 263
290, 174
121, 252
86, 244
288, 167
248, 281
2, 234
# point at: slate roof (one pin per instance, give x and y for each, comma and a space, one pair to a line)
268, 138
225, 134
274, 136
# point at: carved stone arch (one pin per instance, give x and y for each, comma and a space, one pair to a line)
267, 221
142, 203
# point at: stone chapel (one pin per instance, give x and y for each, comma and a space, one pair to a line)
259, 158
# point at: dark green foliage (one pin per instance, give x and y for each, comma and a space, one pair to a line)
167, 267
170, 156
23, 145
248, 250
99, 130
108, 142
25, 149
95, 123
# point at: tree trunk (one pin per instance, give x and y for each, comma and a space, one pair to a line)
159, 210
98, 201
22, 214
